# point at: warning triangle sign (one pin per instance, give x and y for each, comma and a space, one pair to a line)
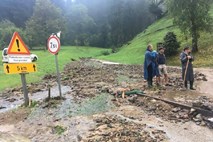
17, 46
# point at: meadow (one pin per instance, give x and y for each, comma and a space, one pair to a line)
46, 64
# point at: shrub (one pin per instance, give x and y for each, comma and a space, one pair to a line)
171, 44
105, 52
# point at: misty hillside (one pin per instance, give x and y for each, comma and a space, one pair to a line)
133, 52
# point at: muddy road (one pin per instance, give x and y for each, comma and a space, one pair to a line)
89, 111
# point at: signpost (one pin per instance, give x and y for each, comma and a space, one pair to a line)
53, 45
19, 62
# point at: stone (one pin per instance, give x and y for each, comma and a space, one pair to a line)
199, 116
192, 110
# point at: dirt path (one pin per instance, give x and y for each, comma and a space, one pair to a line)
207, 86
176, 132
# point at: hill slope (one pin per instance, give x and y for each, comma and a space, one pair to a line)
133, 52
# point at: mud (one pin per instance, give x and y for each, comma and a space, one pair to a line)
89, 112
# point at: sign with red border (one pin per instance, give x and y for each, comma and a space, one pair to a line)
17, 46
53, 44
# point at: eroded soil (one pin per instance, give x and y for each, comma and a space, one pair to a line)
90, 112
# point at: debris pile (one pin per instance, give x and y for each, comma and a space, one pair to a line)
200, 77
176, 114
112, 128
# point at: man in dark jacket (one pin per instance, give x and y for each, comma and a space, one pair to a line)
187, 67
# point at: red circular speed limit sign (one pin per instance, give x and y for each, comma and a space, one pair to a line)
53, 44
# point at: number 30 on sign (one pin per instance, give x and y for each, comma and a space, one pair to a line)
53, 44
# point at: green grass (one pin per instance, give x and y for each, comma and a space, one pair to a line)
46, 64
133, 52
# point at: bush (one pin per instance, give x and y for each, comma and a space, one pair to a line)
171, 44
105, 52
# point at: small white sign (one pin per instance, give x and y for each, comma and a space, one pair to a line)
19, 59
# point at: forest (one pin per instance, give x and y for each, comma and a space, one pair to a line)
96, 23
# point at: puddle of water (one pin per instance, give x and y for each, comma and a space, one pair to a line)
69, 108
18, 101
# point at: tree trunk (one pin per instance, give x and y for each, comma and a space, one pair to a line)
194, 39
194, 44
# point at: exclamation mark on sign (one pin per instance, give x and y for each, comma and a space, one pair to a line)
17, 42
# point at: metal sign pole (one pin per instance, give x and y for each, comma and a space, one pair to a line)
58, 74
25, 91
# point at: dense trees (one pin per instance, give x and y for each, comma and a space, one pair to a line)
7, 29
46, 19
192, 16
16, 11
102, 23
155, 8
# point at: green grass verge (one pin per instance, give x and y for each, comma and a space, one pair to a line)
46, 64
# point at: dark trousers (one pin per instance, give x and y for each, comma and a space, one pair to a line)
191, 84
150, 77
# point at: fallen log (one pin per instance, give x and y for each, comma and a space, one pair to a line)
202, 111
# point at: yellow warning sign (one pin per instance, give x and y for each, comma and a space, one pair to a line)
19, 68
17, 45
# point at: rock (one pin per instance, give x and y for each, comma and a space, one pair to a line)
204, 79
176, 109
198, 123
203, 123
11, 100
1, 107
210, 119
192, 110
197, 120
199, 116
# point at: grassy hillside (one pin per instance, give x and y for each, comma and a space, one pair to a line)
46, 64
133, 52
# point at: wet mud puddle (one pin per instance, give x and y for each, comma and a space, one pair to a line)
10, 103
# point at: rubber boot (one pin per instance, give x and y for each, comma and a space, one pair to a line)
186, 84
191, 85
149, 84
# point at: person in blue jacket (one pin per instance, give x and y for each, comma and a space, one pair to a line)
150, 65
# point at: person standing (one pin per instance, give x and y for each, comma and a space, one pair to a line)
187, 67
150, 65
161, 59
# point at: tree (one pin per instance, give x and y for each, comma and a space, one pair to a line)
46, 19
155, 8
16, 11
192, 16
7, 29
171, 44
80, 26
